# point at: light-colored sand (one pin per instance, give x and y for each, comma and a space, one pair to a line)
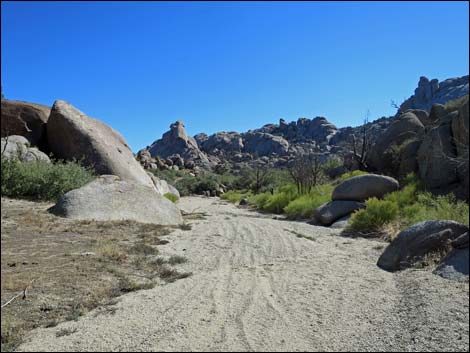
258, 287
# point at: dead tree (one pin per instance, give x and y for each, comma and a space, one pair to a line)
261, 177
306, 171
361, 146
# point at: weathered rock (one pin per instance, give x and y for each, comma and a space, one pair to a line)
423, 116
436, 157
341, 223
162, 186
109, 198
25, 119
461, 242
405, 128
430, 92
455, 265
413, 243
265, 144
408, 157
177, 141
18, 147
73, 135
227, 141
362, 187
460, 129
330, 212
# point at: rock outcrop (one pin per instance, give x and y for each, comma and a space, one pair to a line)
436, 155
177, 141
406, 127
430, 92
415, 242
264, 144
109, 198
73, 135
25, 119
15, 146
333, 211
362, 187
455, 265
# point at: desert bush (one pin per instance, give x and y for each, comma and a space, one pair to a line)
259, 200
375, 216
304, 205
445, 207
172, 197
456, 103
41, 180
169, 175
235, 195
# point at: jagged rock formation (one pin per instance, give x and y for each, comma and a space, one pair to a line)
436, 151
430, 92
176, 141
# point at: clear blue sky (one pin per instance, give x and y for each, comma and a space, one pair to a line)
139, 66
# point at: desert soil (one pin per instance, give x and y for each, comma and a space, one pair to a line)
265, 284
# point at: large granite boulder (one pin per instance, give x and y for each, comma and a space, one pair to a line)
109, 198
415, 242
363, 187
436, 156
73, 135
264, 144
460, 129
19, 147
25, 119
163, 187
408, 163
405, 128
332, 211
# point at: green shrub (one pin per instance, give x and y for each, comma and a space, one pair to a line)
304, 205
375, 216
185, 185
235, 196
40, 180
172, 197
259, 200
169, 175
456, 103
441, 207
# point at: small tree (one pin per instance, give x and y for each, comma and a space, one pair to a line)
261, 178
361, 145
306, 171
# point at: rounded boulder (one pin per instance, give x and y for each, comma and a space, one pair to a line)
363, 187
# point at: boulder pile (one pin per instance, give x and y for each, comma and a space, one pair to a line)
124, 191
349, 196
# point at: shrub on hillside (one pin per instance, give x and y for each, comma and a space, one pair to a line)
235, 196
375, 216
172, 197
445, 207
41, 180
304, 205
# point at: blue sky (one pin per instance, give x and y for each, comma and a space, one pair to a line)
218, 66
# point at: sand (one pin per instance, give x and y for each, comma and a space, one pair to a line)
258, 286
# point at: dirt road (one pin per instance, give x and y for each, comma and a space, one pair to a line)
259, 284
